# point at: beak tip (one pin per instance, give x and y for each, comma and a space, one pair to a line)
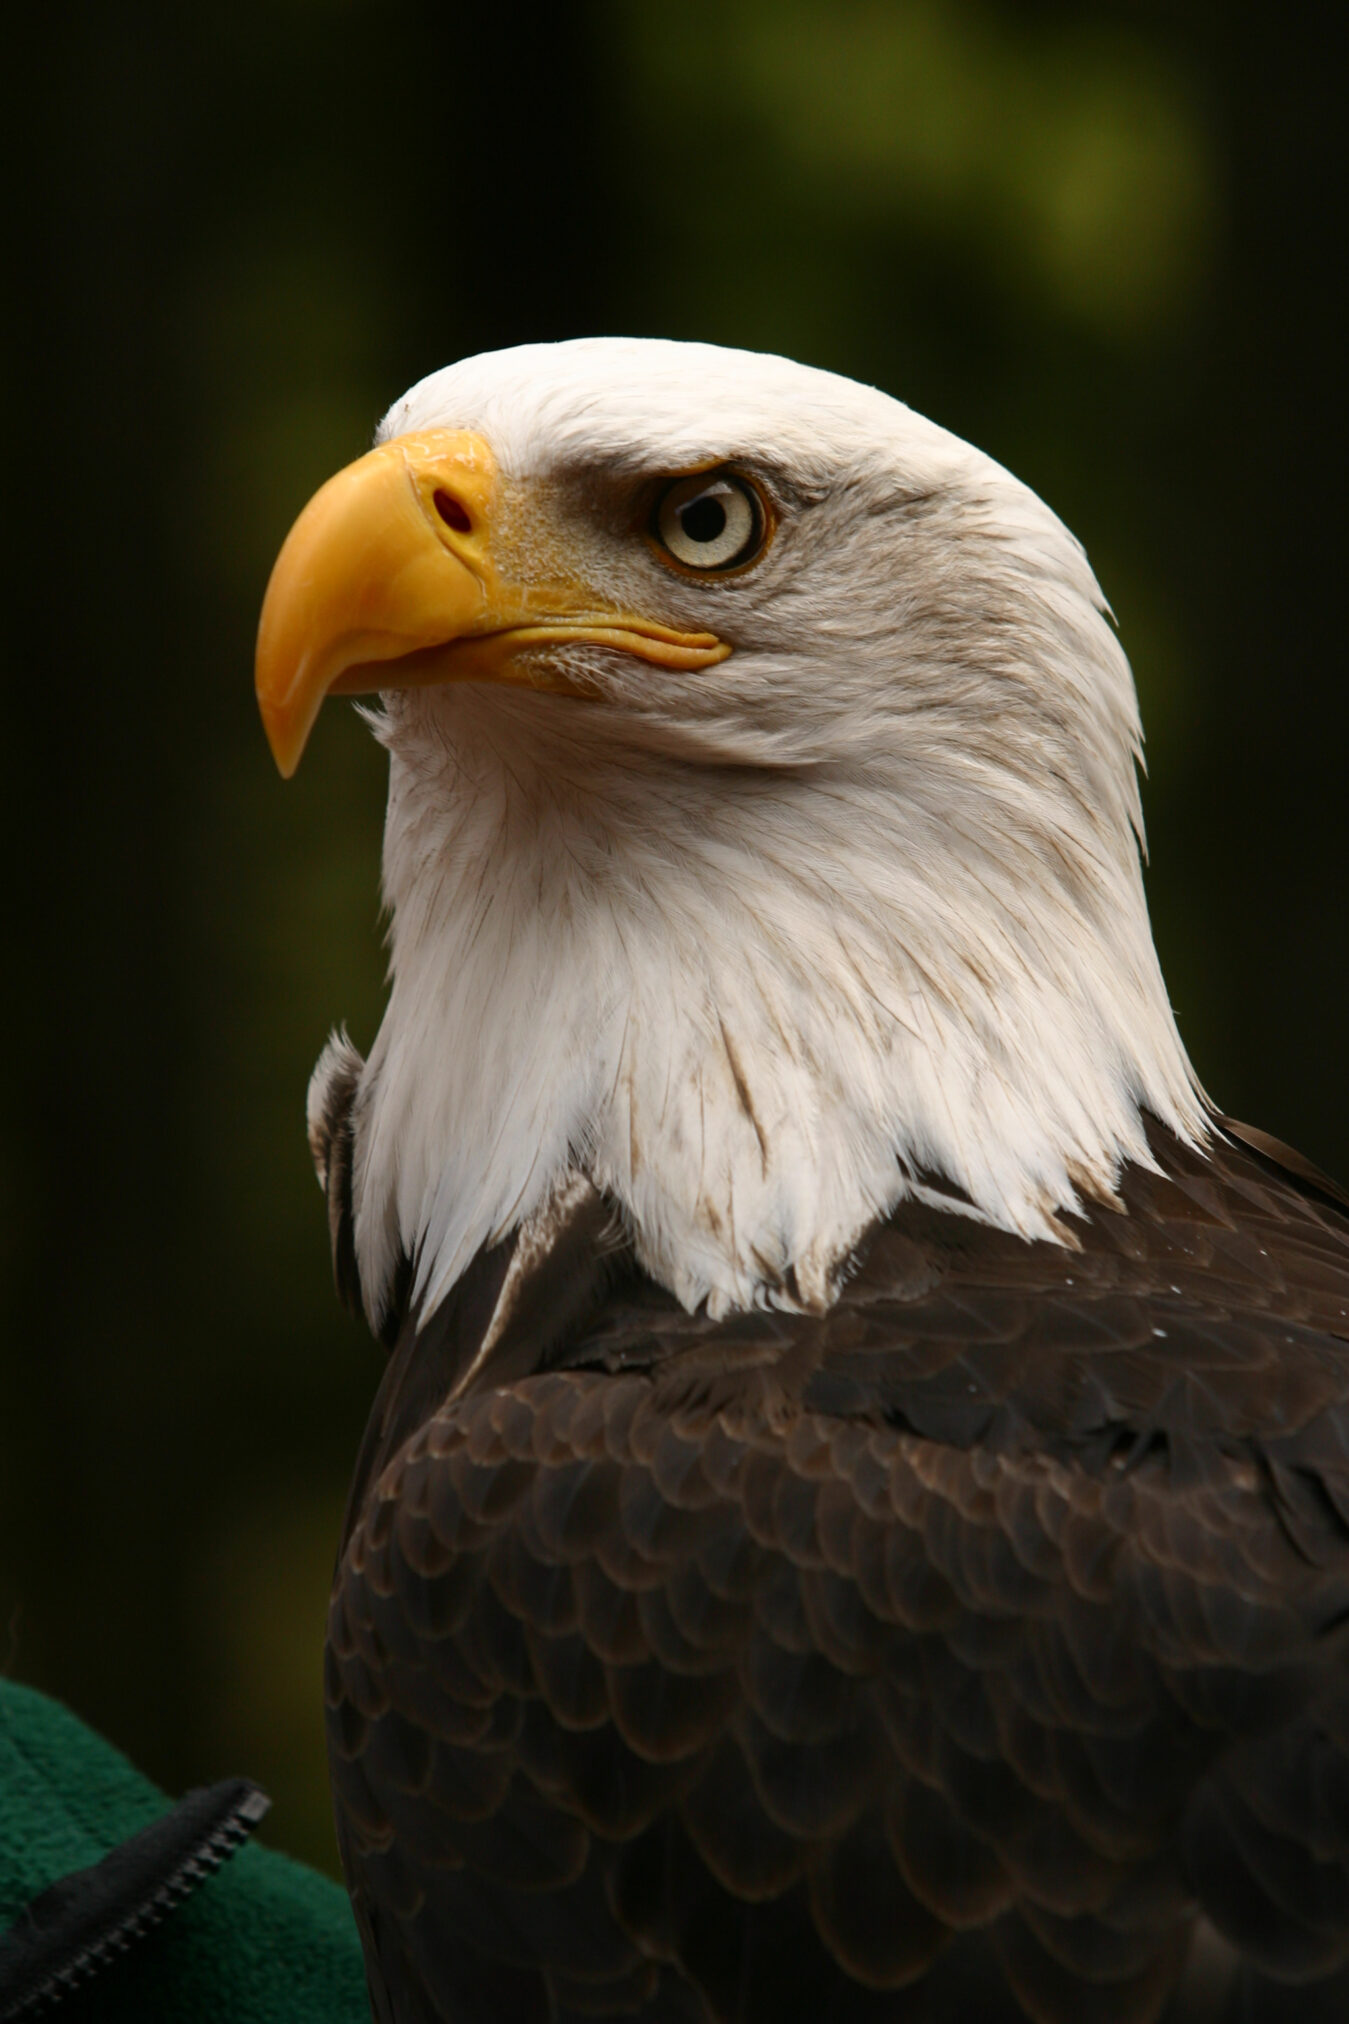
286, 739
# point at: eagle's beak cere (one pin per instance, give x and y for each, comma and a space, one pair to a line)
387, 580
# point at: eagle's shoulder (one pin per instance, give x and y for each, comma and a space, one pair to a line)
1209, 1305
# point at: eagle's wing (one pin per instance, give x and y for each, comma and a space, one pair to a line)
976, 1649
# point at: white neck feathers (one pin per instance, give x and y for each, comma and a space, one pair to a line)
756, 1017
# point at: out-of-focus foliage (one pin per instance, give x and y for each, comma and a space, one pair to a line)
1102, 242
1068, 164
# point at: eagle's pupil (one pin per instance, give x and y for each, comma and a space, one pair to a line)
703, 519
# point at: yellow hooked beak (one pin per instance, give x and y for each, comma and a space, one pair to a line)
388, 580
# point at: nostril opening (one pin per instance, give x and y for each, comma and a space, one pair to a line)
452, 513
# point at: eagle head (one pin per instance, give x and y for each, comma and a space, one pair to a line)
763, 841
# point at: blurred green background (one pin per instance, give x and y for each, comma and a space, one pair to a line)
1100, 242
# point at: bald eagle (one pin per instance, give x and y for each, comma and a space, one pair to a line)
855, 1523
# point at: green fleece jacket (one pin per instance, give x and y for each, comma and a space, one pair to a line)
256, 1940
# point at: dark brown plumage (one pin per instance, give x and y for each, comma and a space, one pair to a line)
975, 1650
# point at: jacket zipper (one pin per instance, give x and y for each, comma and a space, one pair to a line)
80, 1925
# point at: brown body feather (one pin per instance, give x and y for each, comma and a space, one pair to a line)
977, 1650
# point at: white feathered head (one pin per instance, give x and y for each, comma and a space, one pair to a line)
763, 835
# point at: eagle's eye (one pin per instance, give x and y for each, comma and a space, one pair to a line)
710, 521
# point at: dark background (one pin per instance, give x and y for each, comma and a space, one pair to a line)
1100, 242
